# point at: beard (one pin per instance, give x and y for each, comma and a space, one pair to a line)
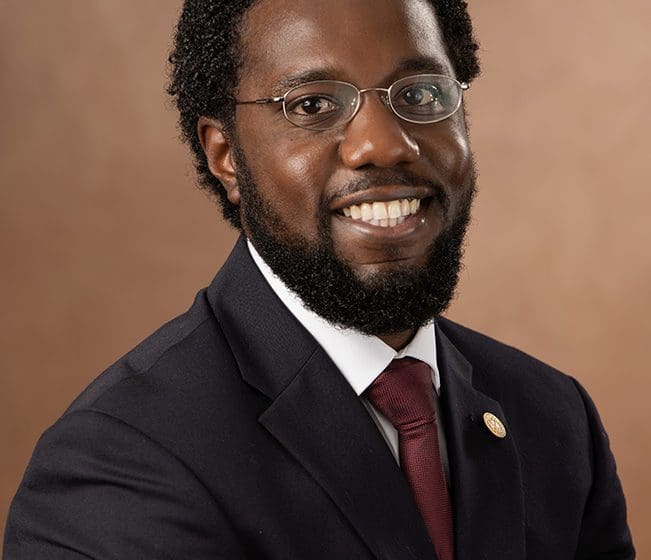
380, 303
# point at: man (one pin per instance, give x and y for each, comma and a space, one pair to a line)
312, 403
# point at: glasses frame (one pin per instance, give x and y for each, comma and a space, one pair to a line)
386, 98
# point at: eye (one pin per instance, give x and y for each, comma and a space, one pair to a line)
418, 95
313, 105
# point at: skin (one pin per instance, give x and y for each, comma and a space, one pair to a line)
300, 171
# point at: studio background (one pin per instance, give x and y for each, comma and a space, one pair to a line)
103, 235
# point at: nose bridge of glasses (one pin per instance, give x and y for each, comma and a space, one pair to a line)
383, 94
356, 104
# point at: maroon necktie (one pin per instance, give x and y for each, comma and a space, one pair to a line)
403, 392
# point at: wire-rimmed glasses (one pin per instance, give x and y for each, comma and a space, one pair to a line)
326, 104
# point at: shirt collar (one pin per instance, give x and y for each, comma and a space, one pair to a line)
359, 357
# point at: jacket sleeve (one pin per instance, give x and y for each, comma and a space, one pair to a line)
604, 531
98, 488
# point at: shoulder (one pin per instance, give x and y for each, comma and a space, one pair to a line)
480, 349
175, 368
174, 395
519, 381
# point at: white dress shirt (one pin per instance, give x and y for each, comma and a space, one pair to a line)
359, 357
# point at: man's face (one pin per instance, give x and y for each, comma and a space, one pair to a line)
296, 183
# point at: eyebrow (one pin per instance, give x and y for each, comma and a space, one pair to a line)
288, 82
421, 64
416, 64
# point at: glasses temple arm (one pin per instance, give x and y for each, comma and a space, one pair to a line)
261, 101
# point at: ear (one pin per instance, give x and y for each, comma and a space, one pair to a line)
219, 154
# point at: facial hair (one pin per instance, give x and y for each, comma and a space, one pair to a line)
382, 303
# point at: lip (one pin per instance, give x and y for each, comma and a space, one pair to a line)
383, 193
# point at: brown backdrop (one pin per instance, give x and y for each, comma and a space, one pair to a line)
103, 237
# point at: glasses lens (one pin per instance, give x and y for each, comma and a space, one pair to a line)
320, 105
427, 98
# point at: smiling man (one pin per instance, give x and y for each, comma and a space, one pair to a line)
313, 403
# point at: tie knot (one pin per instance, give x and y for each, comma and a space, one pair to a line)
403, 392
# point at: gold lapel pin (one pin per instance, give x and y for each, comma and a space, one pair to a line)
494, 425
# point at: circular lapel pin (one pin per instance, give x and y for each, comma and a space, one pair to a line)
494, 425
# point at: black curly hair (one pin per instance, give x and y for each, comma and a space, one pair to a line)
206, 57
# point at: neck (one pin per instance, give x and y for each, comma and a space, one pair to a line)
397, 341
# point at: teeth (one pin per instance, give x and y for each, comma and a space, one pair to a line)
367, 212
395, 210
380, 211
384, 214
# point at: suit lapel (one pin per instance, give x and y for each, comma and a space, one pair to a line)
315, 414
324, 425
486, 481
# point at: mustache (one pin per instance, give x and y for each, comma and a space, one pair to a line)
386, 177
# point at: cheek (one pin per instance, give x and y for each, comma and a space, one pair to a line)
456, 158
451, 157
291, 174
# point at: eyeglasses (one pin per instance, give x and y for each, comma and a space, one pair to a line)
326, 104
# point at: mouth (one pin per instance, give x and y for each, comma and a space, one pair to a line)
384, 214
382, 227
387, 206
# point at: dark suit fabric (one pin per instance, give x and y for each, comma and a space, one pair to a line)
229, 433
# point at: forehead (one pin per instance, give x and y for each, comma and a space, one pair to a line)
363, 41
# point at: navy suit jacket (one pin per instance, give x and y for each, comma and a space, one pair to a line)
229, 433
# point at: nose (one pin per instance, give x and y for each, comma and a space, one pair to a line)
376, 137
